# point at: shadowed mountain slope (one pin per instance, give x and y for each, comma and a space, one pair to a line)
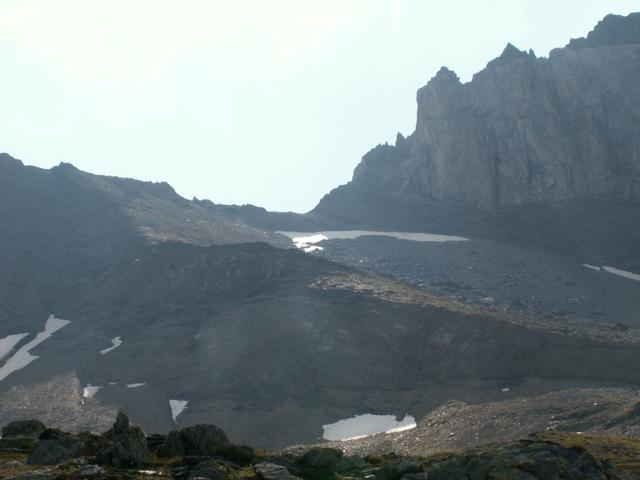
254, 338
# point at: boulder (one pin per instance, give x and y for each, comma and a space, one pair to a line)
201, 439
53, 447
20, 436
127, 448
23, 429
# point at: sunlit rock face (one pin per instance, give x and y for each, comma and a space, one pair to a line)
525, 129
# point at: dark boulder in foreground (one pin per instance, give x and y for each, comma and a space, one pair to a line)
204, 440
54, 446
128, 445
121, 446
23, 428
20, 436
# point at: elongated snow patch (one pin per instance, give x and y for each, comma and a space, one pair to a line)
364, 425
622, 273
177, 407
615, 271
8, 343
135, 385
592, 267
22, 357
308, 241
115, 343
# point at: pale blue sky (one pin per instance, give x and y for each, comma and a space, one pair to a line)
264, 102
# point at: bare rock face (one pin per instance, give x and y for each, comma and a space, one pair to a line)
128, 445
525, 129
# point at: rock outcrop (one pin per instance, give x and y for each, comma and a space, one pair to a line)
547, 455
198, 440
127, 445
55, 446
525, 129
23, 428
20, 435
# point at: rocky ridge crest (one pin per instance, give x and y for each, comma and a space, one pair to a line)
524, 129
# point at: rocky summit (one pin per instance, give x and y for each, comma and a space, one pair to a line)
524, 129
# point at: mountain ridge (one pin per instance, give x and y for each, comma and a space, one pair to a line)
524, 129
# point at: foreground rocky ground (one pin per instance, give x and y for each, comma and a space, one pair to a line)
613, 412
30, 451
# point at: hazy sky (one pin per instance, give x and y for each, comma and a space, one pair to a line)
264, 102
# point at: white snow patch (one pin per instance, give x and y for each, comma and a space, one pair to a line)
615, 271
9, 342
307, 241
505, 389
312, 248
115, 343
592, 267
22, 357
177, 407
364, 425
622, 273
90, 391
135, 385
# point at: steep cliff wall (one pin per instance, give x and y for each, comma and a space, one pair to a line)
525, 129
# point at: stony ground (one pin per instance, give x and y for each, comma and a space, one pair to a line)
456, 425
495, 274
203, 452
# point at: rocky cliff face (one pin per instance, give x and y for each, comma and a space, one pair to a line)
525, 129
